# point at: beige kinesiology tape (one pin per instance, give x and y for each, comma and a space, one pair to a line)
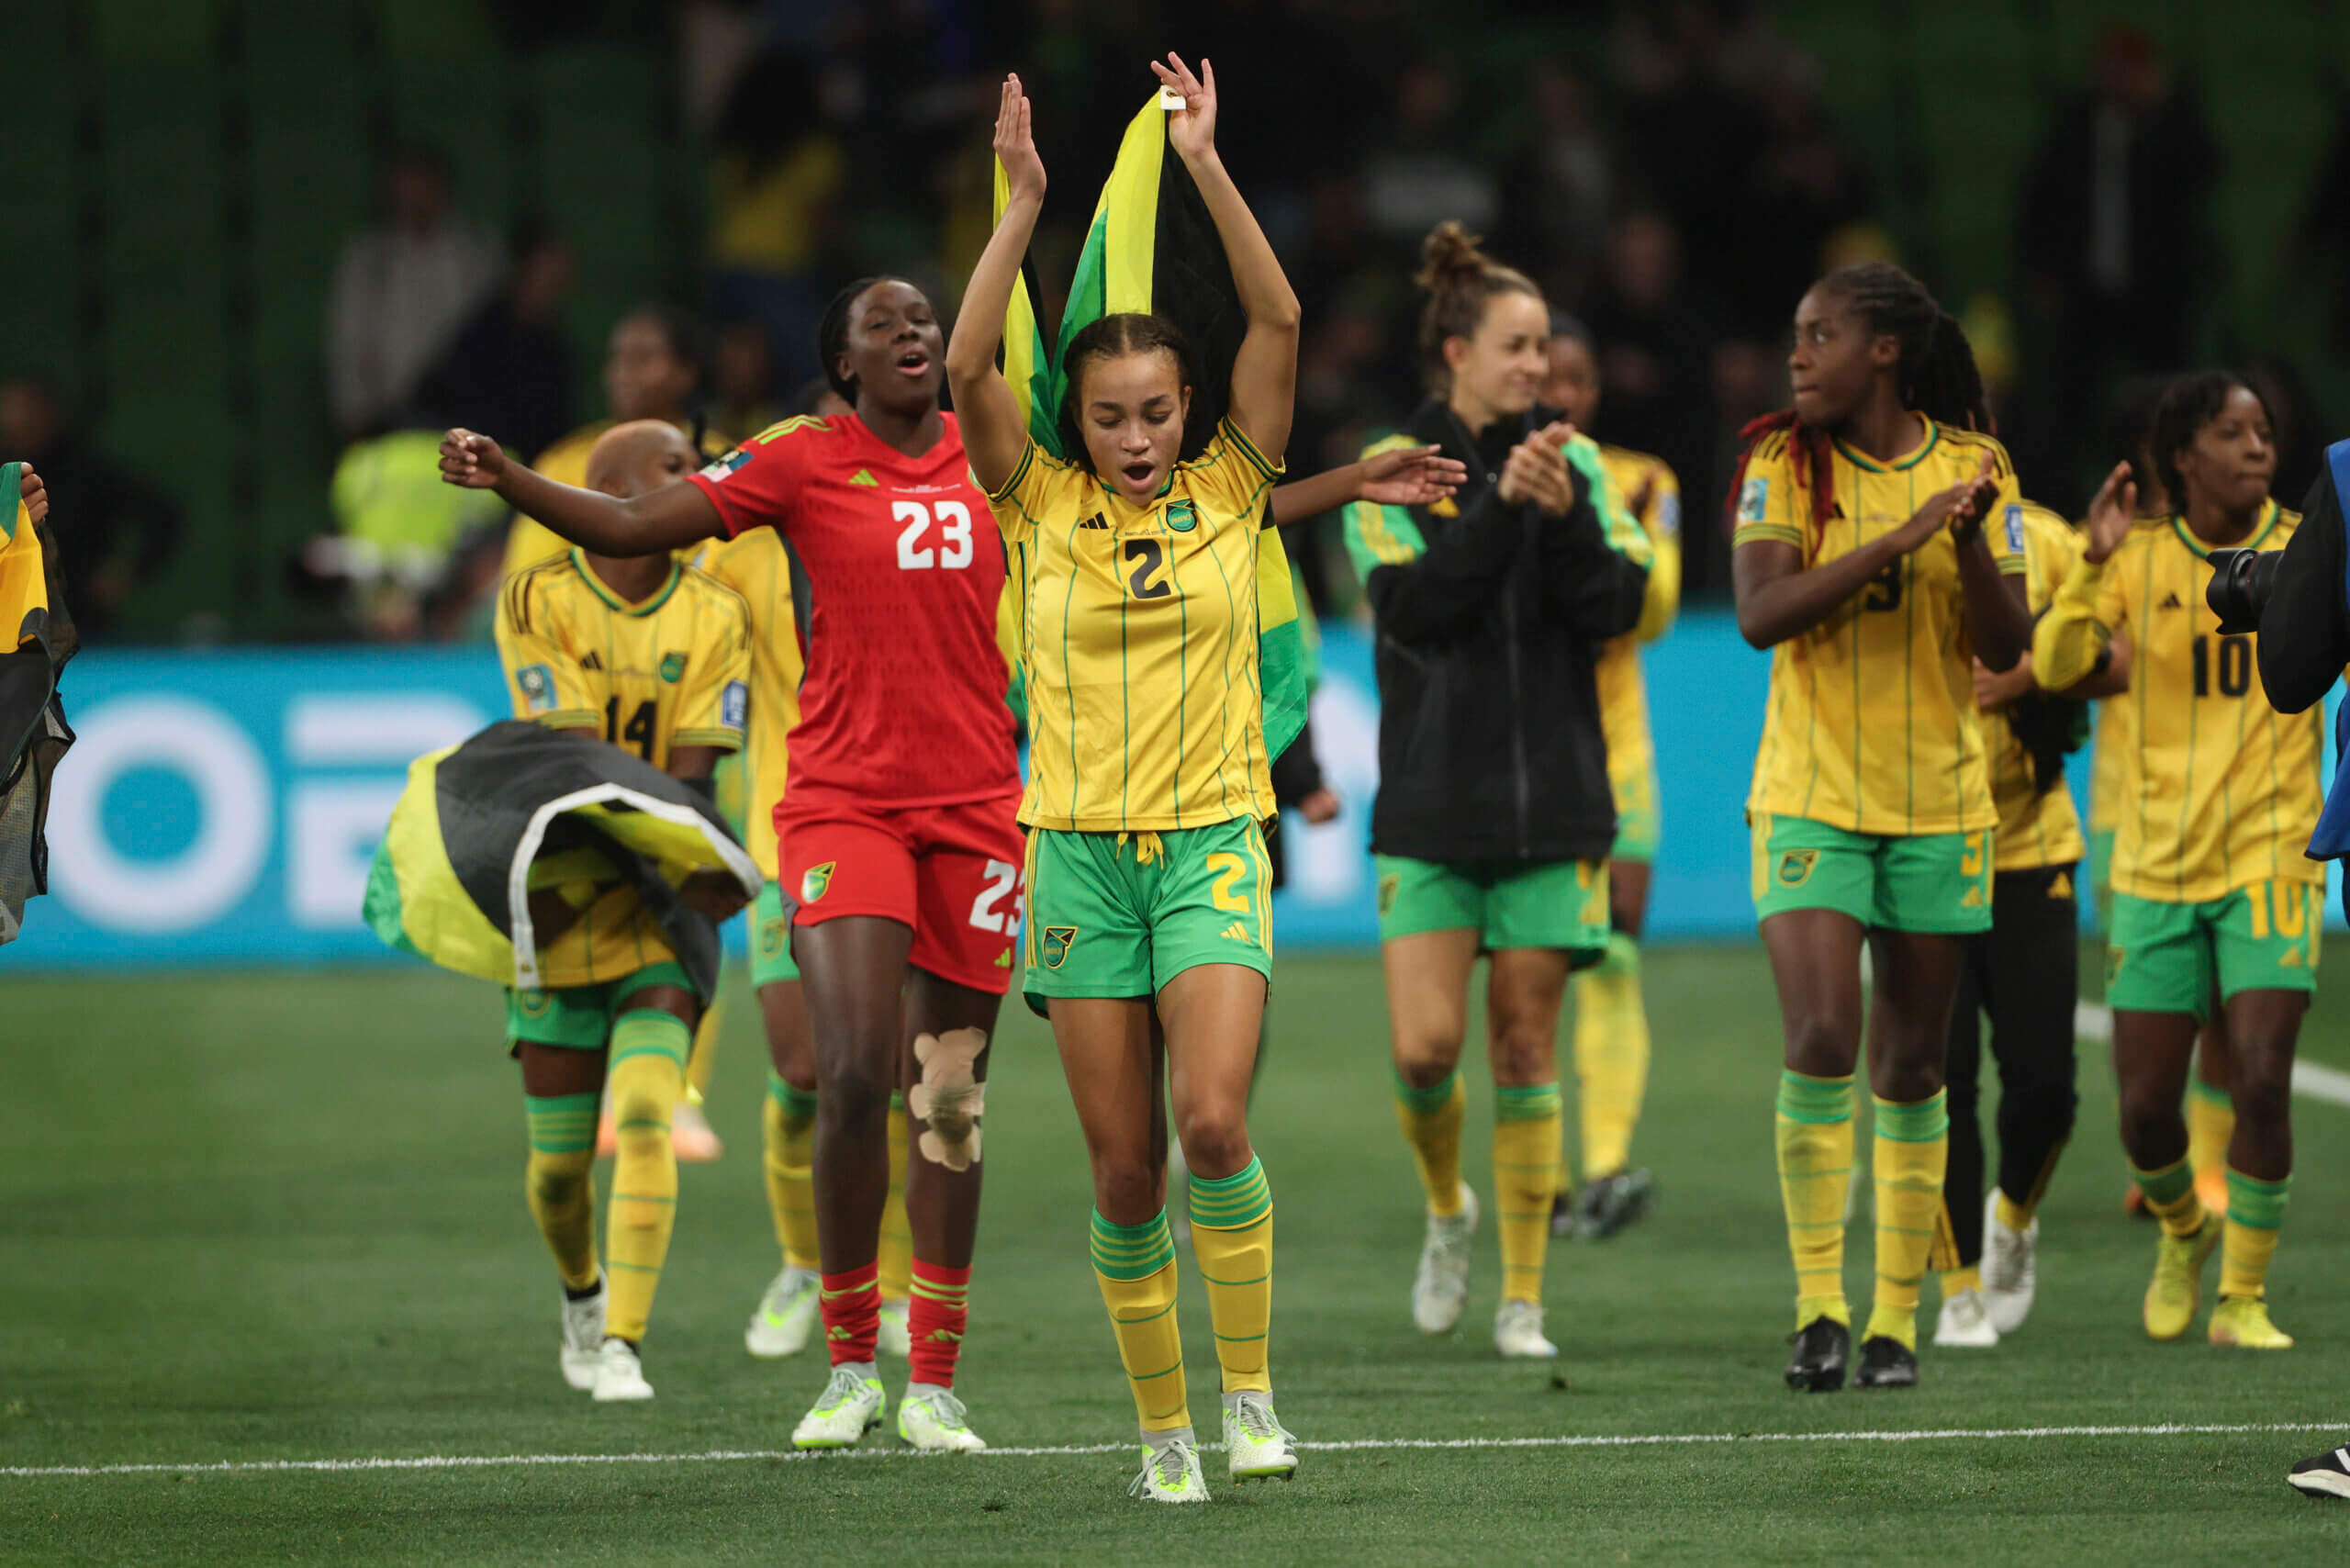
949, 1097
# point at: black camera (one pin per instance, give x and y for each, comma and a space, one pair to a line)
2241, 583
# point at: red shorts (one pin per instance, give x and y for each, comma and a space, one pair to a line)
950, 872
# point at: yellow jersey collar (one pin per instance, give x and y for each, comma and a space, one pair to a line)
595, 585
2203, 552
1933, 439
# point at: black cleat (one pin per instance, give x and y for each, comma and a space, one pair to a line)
1563, 1214
1822, 1345
1887, 1362
1613, 1204
2327, 1475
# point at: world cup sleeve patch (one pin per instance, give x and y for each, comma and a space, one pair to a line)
2015, 528
537, 685
734, 704
725, 465
1752, 499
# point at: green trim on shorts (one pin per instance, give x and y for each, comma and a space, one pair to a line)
2100, 870
1557, 905
2166, 958
1103, 922
580, 1017
1933, 883
771, 960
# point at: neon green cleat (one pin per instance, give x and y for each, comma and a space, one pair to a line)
849, 1407
2177, 1289
2241, 1323
1170, 1473
935, 1422
1257, 1447
786, 1315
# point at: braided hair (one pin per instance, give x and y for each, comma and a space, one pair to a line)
1936, 374
2188, 405
832, 333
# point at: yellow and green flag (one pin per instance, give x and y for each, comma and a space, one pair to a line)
1153, 248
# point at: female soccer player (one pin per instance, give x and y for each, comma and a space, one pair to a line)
1861, 559
1149, 918
2024, 973
2210, 882
653, 656
1495, 813
1611, 1022
898, 842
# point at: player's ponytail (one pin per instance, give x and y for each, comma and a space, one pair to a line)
1813, 465
1459, 280
1936, 374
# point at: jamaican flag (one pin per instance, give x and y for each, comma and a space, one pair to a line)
35, 639
481, 823
1153, 247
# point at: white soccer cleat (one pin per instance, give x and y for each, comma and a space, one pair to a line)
1966, 1322
786, 1315
1170, 1473
849, 1407
619, 1374
1257, 1447
1517, 1332
583, 1336
1441, 1287
935, 1422
2010, 1268
892, 1336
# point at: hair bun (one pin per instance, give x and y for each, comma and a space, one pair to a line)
1450, 254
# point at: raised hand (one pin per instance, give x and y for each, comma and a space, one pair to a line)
1016, 143
1191, 129
2111, 513
1411, 477
471, 461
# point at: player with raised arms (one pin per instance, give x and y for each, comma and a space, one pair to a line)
1861, 559
2210, 882
899, 848
1148, 926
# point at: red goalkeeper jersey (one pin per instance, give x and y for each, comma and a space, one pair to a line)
902, 703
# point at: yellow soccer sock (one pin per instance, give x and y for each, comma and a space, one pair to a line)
896, 1258
2255, 1211
788, 1134
561, 1184
1815, 1147
1956, 1280
704, 1059
1527, 1124
1232, 1237
2210, 1126
2012, 1214
648, 1073
1134, 1265
1611, 1057
1431, 1120
1913, 1154
2171, 1197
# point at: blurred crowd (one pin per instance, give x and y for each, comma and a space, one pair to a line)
1674, 178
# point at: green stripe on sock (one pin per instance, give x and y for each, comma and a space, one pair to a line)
648, 1031
1429, 1101
2212, 1095
2168, 1185
2255, 1203
1819, 1101
560, 1124
1531, 1103
1229, 1202
1131, 1251
1914, 1121
798, 1104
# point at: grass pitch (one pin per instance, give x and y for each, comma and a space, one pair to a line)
261, 1218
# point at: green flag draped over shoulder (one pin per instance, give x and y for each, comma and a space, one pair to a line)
451, 882
1153, 248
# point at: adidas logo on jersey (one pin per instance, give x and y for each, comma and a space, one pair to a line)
1096, 521
2170, 601
593, 661
864, 477
1237, 933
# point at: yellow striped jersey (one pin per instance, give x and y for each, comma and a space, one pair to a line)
1144, 705
1872, 724
1616, 675
2218, 790
754, 565
2036, 828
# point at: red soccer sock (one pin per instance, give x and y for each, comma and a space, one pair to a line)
852, 1308
935, 1313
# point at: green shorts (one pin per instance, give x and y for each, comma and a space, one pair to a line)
2164, 957
1509, 903
1104, 921
580, 1016
1638, 820
2099, 866
1935, 883
771, 939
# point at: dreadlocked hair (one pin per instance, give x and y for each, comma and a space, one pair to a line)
832, 333
2189, 403
1936, 374
1114, 337
1461, 280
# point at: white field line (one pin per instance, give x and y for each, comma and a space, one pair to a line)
2092, 1021
1360, 1445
